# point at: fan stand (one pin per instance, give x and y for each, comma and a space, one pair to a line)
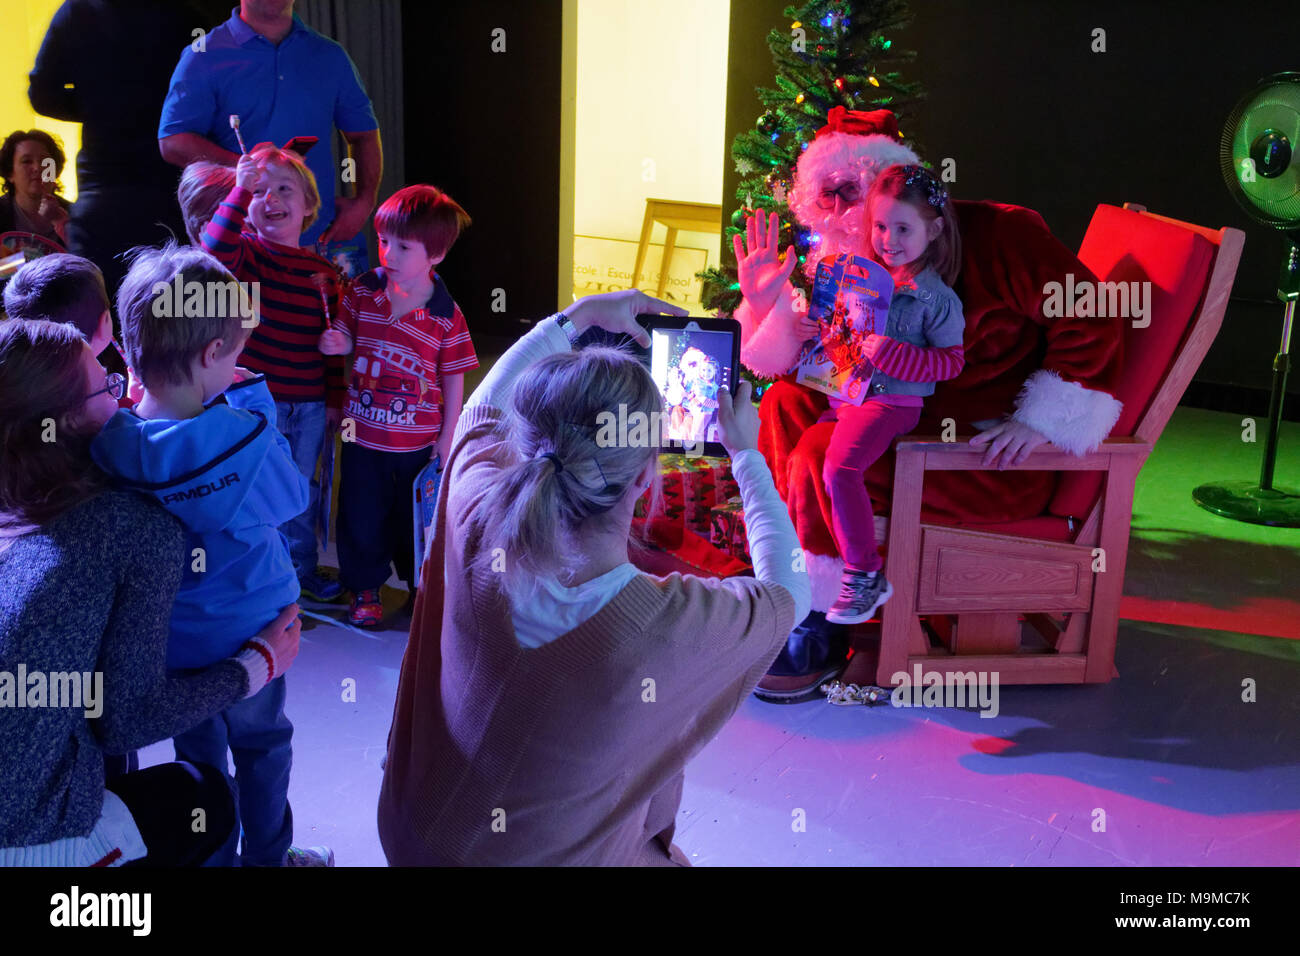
1263, 503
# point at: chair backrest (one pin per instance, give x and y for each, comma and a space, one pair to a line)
1190, 270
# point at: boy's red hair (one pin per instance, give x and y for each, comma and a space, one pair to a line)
424, 214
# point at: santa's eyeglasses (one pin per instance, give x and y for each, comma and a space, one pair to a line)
850, 192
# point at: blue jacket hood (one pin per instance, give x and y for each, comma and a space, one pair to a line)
207, 470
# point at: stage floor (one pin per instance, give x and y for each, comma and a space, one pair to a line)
1164, 766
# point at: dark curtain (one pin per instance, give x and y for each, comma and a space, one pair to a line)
371, 32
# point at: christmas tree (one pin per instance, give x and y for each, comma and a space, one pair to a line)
834, 53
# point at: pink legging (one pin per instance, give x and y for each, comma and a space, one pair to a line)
862, 434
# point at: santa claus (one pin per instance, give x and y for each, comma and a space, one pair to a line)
1029, 378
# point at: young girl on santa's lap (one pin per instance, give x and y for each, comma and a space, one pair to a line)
913, 236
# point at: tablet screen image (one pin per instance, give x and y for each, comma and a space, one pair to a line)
689, 367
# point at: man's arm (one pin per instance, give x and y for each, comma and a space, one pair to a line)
350, 214
368, 151
181, 149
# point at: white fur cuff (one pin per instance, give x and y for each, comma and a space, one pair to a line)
1071, 417
774, 347
824, 572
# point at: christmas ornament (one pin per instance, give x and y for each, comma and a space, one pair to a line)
767, 123
777, 186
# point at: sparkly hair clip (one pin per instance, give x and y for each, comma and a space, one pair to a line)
935, 194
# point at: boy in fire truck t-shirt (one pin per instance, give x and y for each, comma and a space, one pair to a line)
412, 349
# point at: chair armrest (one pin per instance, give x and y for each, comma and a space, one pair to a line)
960, 455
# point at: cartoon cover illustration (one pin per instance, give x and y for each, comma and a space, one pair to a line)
851, 296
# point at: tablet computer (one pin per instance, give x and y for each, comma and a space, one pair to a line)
690, 358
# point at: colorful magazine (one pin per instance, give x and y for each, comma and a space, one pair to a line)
424, 506
851, 296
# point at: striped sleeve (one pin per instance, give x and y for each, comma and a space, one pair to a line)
223, 235
913, 363
456, 353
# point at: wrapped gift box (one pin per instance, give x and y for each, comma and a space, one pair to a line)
691, 487
727, 529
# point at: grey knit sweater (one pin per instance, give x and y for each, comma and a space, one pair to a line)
90, 592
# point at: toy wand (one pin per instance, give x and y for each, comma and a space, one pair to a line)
322, 280
234, 124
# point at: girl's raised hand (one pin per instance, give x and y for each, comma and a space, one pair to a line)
761, 273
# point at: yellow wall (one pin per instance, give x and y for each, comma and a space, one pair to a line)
651, 85
24, 28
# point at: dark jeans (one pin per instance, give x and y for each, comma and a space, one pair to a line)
376, 526
812, 646
260, 738
163, 801
303, 426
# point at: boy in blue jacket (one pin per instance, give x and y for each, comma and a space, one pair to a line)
209, 452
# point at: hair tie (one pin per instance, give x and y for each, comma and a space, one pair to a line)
559, 465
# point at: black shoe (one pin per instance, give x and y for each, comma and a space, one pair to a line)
815, 652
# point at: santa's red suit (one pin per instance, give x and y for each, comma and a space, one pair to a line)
1055, 375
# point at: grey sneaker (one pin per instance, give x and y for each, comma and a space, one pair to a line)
309, 856
860, 595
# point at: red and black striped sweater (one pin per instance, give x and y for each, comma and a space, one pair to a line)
283, 346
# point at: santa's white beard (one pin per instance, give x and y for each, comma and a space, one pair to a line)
840, 234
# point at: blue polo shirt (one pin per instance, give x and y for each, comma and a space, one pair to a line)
305, 86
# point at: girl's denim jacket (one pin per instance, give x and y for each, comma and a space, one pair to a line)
928, 315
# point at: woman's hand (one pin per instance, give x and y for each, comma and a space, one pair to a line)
617, 311
1010, 443
737, 419
761, 274
282, 635
52, 211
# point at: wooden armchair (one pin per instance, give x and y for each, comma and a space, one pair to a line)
1040, 610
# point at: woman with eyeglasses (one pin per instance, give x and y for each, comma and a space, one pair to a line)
89, 575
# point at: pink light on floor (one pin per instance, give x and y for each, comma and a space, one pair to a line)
1264, 616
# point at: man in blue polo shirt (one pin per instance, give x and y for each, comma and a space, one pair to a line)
283, 79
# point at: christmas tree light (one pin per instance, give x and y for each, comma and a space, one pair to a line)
833, 54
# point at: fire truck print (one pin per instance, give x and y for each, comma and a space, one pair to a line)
391, 379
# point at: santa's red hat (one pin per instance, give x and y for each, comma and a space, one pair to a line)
852, 145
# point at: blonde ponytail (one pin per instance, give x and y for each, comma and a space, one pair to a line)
562, 478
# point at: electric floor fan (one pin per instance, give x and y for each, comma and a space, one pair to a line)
1261, 168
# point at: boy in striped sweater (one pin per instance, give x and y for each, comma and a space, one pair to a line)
408, 382
275, 198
